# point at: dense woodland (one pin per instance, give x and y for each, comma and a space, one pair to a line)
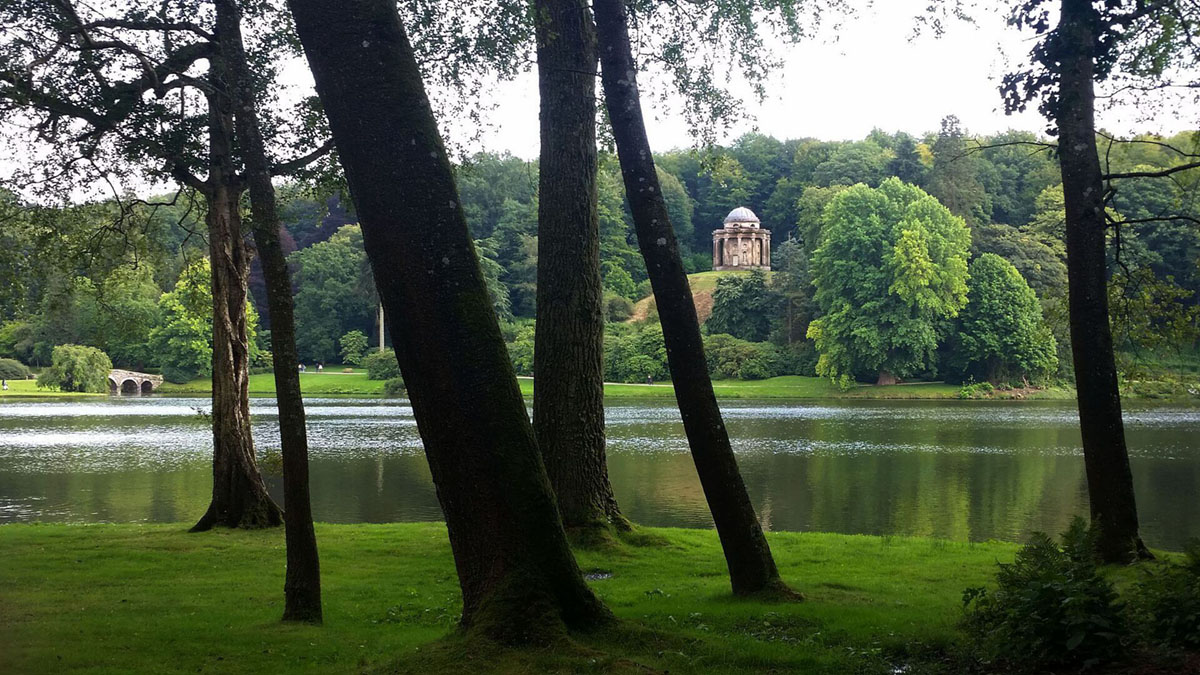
145, 307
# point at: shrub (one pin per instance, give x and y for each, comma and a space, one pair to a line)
634, 355
76, 368
617, 307
11, 369
381, 365
520, 350
1050, 608
179, 375
1165, 602
394, 387
976, 390
730, 357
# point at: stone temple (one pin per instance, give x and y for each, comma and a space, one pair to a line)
742, 244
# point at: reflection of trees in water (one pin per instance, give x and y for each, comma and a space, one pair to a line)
959, 476
975, 481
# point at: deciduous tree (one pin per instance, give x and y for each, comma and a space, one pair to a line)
751, 567
891, 266
519, 580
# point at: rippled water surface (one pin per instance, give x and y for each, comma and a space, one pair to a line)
961, 470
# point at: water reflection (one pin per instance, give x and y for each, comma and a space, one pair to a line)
959, 470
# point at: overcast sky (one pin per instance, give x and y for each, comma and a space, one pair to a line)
869, 74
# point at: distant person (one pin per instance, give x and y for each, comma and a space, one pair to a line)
5, 384
302, 367
320, 367
649, 379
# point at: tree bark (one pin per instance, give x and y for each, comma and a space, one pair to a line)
519, 580
568, 357
302, 583
751, 567
1106, 459
240, 497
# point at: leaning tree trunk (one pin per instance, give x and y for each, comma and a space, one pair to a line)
751, 567
518, 577
302, 583
240, 497
1106, 459
568, 356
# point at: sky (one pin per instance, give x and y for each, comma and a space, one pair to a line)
867, 74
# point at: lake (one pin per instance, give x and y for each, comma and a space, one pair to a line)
961, 470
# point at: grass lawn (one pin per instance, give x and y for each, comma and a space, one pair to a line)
788, 386
327, 383
155, 599
29, 389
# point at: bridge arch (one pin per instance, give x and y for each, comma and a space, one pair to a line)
128, 382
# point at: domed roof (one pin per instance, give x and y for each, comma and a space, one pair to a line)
741, 215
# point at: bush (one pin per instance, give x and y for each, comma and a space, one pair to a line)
179, 375
520, 350
11, 369
617, 307
634, 355
975, 390
1050, 608
395, 387
381, 365
1165, 602
76, 368
730, 357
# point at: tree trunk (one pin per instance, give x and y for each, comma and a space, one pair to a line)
568, 356
302, 584
751, 567
1106, 459
519, 580
886, 378
240, 497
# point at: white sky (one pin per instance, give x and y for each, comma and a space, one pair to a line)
838, 86
870, 74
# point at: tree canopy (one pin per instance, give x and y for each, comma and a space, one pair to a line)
891, 267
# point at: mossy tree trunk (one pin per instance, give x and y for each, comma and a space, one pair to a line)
519, 580
568, 363
302, 583
751, 567
239, 497
1105, 456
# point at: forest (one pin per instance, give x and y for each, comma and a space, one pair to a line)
150, 314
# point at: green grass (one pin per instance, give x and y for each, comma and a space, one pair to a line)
29, 389
327, 383
155, 599
785, 387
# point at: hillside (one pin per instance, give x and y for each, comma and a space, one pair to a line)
703, 284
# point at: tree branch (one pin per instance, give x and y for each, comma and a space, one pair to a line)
1153, 174
285, 168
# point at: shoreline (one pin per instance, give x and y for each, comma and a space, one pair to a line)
787, 387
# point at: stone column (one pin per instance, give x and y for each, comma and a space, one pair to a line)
716, 257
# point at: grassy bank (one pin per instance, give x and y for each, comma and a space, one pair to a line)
788, 386
152, 598
29, 389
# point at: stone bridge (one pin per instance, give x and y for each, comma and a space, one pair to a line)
130, 382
